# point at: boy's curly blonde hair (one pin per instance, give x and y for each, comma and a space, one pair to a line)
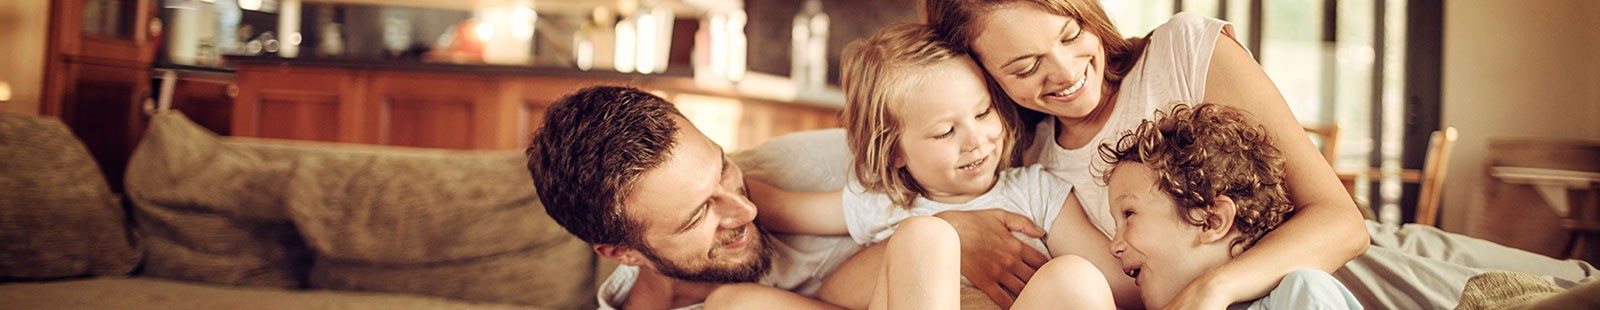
1204, 151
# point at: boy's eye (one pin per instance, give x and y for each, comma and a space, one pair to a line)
946, 134
1127, 213
985, 113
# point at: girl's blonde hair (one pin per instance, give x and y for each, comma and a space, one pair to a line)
877, 71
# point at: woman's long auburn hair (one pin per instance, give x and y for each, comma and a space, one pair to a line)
956, 22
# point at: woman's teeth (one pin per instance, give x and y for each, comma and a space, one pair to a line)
1074, 88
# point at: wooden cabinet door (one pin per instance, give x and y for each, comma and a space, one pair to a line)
433, 110
97, 75
318, 104
208, 101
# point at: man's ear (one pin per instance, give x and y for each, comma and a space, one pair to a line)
1220, 223
622, 254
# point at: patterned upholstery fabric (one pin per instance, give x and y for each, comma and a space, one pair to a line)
58, 217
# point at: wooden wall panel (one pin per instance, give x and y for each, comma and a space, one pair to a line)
299, 116
428, 123
300, 103
452, 109
430, 110
530, 97
208, 102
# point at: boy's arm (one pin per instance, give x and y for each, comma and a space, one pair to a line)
812, 213
1072, 233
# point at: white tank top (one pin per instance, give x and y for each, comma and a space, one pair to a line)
1172, 70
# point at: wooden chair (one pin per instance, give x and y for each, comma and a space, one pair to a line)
1434, 170
1326, 138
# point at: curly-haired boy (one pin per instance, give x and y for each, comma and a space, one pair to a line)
1195, 187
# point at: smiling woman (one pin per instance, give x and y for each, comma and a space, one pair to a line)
1190, 58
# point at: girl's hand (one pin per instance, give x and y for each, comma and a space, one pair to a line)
991, 257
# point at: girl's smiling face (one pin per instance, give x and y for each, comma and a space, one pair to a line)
952, 140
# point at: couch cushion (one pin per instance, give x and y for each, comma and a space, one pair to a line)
558, 275
457, 224
211, 210
158, 294
58, 217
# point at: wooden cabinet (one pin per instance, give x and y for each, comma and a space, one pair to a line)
433, 110
298, 103
207, 99
97, 75
459, 107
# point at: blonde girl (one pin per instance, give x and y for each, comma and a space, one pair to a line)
927, 137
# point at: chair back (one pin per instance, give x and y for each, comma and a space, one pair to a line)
1434, 169
1326, 137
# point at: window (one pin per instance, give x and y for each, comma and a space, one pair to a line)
1336, 62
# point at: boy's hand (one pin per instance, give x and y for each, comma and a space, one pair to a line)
991, 257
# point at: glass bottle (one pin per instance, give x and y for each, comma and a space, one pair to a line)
809, 47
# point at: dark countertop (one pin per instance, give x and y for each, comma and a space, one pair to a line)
442, 67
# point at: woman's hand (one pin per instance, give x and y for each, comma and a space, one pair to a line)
991, 257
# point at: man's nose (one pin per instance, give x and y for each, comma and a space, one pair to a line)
736, 210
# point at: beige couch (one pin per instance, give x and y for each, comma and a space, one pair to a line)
232, 223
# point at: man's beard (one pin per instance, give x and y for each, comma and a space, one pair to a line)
704, 272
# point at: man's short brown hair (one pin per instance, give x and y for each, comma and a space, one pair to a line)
593, 146
1201, 152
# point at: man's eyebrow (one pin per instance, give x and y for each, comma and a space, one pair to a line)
704, 203
725, 165
1063, 32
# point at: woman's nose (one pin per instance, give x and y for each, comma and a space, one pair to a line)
1054, 69
1065, 66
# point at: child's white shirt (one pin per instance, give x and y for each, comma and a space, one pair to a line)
1028, 191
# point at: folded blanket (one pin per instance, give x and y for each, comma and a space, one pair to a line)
1503, 289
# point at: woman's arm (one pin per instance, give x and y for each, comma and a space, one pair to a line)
812, 213
1072, 233
1326, 230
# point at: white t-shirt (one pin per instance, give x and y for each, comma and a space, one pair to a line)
1028, 191
799, 264
1172, 70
